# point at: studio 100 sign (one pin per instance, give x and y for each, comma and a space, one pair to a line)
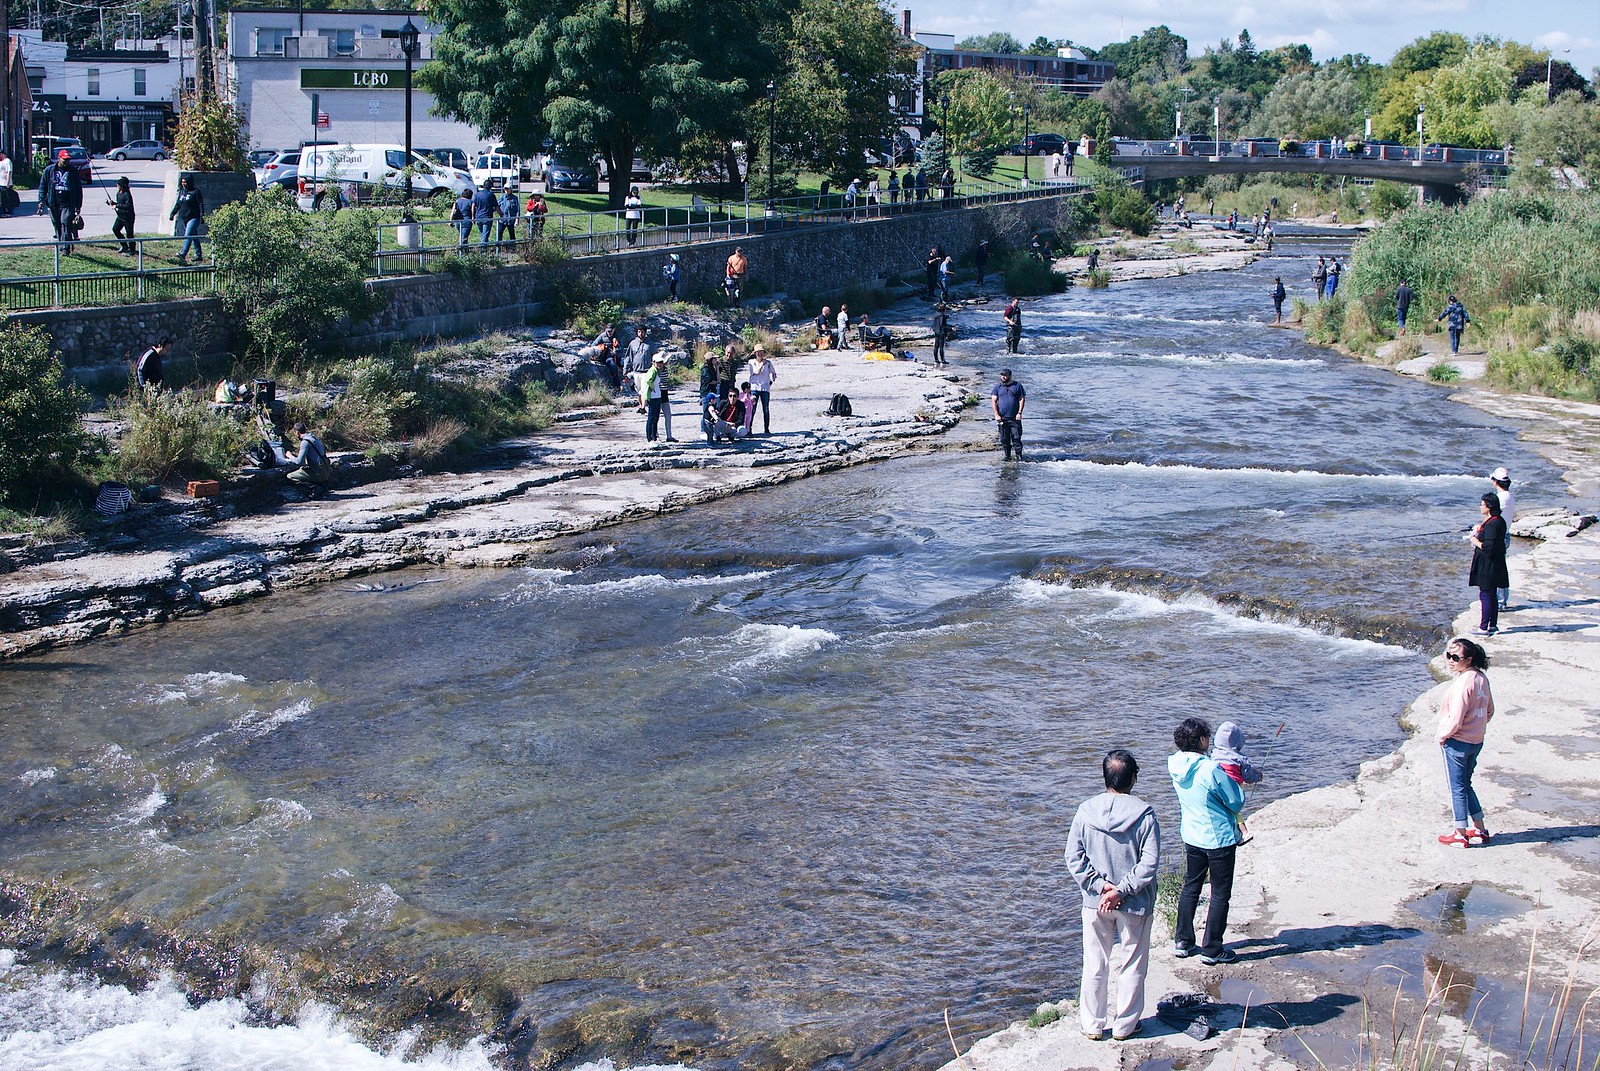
350, 78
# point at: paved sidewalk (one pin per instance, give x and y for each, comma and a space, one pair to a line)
146, 177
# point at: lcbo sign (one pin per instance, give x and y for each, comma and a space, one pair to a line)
350, 78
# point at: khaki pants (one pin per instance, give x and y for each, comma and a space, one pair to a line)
1116, 956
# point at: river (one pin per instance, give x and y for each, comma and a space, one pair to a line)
776, 781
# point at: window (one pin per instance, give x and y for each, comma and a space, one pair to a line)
269, 42
94, 81
340, 42
139, 88
395, 158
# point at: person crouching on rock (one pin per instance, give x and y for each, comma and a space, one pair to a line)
310, 467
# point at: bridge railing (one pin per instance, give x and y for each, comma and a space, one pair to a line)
1324, 149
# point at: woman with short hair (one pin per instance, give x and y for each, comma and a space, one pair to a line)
1209, 802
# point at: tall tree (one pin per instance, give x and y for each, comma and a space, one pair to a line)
608, 76
982, 108
998, 41
1157, 55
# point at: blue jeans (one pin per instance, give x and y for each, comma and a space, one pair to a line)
1460, 760
1455, 339
191, 237
464, 231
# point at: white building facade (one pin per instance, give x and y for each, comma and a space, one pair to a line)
103, 97
278, 58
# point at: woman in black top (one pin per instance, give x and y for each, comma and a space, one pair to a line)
123, 227
1489, 563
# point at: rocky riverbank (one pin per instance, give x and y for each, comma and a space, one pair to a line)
1360, 937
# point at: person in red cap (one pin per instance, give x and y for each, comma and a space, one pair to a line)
61, 191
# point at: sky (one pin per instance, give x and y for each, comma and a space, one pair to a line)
1331, 27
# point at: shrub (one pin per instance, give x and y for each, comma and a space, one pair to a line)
567, 293
210, 138
1443, 373
291, 275
1390, 197
40, 437
1026, 275
1098, 279
983, 162
1120, 205
171, 435
588, 319
1405, 349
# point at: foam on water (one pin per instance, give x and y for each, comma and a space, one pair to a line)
762, 644
33, 777
257, 723
558, 582
1141, 606
1139, 468
607, 1065
146, 808
54, 1021
1211, 359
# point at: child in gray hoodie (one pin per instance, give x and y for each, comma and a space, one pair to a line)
1228, 751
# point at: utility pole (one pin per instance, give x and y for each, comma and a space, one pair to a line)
7, 135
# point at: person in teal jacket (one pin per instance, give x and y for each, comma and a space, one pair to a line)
1209, 802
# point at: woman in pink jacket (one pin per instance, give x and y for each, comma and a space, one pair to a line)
1464, 714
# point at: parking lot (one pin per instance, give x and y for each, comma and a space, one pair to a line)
145, 177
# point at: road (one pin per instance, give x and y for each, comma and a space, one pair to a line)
146, 177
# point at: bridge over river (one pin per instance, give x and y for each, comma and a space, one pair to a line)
1444, 171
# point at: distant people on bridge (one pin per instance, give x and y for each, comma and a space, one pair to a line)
852, 193
1319, 278
1456, 313
1278, 294
1402, 305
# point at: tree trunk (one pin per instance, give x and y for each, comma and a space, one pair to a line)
730, 162
619, 169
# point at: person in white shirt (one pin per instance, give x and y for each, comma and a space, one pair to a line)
1501, 479
7, 195
844, 326
760, 372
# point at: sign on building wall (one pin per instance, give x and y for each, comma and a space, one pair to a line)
350, 78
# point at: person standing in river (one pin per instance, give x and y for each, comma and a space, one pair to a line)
1278, 294
1319, 278
1500, 480
1402, 305
1464, 715
1209, 802
1009, 399
980, 259
1488, 573
941, 328
1113, 852
1456, 313
1013, 320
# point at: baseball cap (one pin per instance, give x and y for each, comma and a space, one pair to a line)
63, 155
1500, 474
660, 358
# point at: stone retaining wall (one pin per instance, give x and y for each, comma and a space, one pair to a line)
817, 261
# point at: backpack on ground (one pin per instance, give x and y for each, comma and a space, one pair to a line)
840, 406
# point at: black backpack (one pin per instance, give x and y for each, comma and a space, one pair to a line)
840, 406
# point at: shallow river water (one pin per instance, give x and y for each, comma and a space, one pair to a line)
776, 781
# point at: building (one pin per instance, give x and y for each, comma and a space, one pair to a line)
1069, 70
102, 97
351, 60
16, 100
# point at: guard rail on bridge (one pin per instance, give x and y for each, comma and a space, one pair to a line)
1442, 169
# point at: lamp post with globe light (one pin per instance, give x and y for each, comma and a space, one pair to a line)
410, 44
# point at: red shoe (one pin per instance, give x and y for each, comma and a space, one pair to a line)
1481, 836
1456, 838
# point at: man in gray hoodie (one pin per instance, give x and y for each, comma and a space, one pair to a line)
1113, 851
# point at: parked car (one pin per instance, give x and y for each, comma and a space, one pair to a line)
50, 144
1039, 145
638, 172
139, 150
578, 175
525, 166
78, 157
273, 172
495, 171
259, 158
455, 158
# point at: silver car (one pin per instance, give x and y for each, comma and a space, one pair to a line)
139, 150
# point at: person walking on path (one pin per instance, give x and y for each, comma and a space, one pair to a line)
1402, 305
1278, 294
1456, 313
1113, 852
1500, 479
1488, 573
122, 228
761, 375
1009, 399
941, 331
1209, 802
653, 389
61, 194
1013, 320
189, 211
633, 213
1319, 278
672, 271
1464, 715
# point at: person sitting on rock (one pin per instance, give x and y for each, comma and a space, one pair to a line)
873, 338
309, 466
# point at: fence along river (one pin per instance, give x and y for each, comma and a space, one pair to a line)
773, 782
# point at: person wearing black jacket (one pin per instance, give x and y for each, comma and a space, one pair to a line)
1489, 573
189, 210
941, 330
1402, 305
1278, 294
61, 193
123, 227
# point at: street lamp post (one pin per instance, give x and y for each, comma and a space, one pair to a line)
1177, 124
1216, 125
1549, 73
944, 125
1027, 114
772, 126
410, 42
1366, 114
1419, 132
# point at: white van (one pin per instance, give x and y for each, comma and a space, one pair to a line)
369, 166
495, 171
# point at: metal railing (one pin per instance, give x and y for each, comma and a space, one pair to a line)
1321, 149
93, 273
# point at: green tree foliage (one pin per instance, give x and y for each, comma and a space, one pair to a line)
1429, 53
1396, 116
991, 42
288, 274
1239, 66
1157, 55
40, 437
1556, 78
1120, 205
1563, 134
1458, 97
1043, 46
210, 138
935, 156
982, 108
595, 75
845, 59
1324, 102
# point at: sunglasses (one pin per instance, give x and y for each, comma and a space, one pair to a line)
1456, 657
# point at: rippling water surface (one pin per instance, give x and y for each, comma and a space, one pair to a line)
776, 781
